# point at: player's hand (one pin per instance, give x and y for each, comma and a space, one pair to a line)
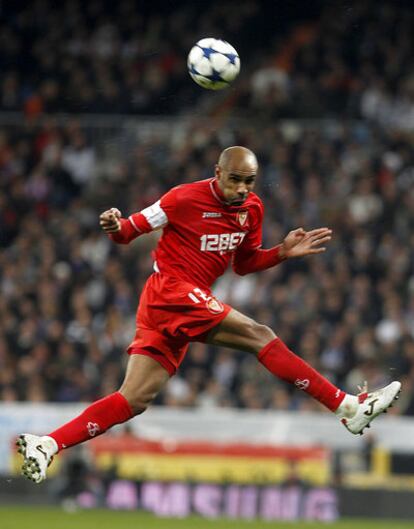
299, 242
109, 220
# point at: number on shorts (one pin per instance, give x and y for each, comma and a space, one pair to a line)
198, 292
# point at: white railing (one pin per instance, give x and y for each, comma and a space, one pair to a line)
218, 425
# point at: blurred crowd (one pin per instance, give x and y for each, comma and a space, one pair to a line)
68, 295
354, 60
108, 57
299, 59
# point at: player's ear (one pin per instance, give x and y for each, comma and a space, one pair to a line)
217, 171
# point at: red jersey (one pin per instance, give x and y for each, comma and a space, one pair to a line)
202, 233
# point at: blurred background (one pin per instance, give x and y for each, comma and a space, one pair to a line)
97, 110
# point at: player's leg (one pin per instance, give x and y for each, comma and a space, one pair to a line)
143, 380
356, 412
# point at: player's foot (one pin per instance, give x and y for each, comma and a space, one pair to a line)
38, 453
370, 405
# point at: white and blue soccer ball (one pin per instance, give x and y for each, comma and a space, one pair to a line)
213, 63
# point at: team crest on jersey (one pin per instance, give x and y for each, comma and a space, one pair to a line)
242, 217
214, 306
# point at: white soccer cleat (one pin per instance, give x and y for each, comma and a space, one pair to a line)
370, 405
38, 454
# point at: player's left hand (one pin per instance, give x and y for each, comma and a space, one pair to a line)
299, 242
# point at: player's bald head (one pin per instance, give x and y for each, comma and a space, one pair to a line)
236, 174
239, 160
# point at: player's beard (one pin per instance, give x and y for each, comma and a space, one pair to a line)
238, 202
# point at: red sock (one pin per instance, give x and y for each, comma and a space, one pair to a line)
93, 421
280, 361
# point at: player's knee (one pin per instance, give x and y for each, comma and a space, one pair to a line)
138, 401
266, 336
139, 404
262, 335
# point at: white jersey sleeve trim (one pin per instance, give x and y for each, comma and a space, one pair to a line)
155, 216
131, 220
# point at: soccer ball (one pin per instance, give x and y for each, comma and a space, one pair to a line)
213, 63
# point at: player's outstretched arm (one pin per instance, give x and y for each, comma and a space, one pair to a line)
297, 243
153, 217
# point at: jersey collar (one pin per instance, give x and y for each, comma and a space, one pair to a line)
217, 193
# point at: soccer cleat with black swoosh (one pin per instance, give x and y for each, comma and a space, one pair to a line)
38, 454
370, 405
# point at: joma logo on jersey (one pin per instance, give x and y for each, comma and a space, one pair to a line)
221, 242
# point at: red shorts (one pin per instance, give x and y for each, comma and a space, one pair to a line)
171, 314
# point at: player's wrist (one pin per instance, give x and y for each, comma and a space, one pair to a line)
282, 252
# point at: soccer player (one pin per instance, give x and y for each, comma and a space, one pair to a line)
206, 225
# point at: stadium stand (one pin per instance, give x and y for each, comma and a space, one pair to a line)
68, 295
302, 61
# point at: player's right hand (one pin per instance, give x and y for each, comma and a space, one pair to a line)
299, 242
110, 220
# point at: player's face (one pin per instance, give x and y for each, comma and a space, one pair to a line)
235, 185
